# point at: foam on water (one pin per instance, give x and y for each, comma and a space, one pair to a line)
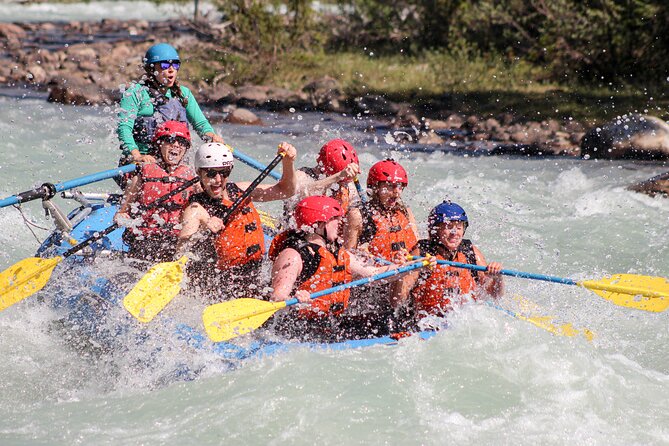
488, 379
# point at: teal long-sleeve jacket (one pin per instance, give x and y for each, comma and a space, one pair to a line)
136, 101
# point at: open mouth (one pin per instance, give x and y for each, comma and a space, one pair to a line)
173, 155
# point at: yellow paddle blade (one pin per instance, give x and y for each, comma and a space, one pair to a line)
546, 322
568, 330
630, 290
267, 220
228, 320
24, 279
155, 290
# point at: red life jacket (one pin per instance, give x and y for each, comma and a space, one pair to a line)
386, 232
437, 287
242, 239
157, 182
321, 269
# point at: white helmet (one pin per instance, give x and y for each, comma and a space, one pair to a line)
213, 154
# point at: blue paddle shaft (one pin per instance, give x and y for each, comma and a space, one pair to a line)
510, 272
253, 163
363, 281
47, 189
361, 193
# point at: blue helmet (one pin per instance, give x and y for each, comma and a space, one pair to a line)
447, 211
161, 52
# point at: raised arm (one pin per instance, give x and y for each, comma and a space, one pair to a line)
317, 187
285, 188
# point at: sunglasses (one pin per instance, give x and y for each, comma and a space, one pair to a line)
168, 64
224, 173
174, 139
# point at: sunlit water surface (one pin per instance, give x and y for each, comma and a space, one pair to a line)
489, 379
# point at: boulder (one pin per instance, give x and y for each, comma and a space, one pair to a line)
324, 93
36, 74
11, 31
283, 99
243, 116
658, 185
76, 91
429, 138
223, 92
376, 105
632, 136
252, 95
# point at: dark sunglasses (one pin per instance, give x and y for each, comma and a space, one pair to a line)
224, 173
166, 65
172, 139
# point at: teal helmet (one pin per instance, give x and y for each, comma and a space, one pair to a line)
161, 52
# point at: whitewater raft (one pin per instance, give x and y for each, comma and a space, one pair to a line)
87, 305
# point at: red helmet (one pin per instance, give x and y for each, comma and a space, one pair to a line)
316, 209
387, 170
172, 129
335, 155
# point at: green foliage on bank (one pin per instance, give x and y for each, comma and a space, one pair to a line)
583, 58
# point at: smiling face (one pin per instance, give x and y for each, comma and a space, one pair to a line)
389, 194
214, 179
450, 234
172, 150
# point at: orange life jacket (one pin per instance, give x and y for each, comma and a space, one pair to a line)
437, 287
386, 233
242, 239
156, 182
321, 269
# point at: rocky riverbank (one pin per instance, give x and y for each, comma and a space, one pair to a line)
87, 63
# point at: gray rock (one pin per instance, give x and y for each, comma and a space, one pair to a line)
630, 136
11, 31
75, 91
376, 104
324, 93
36, 74
243, 116
658, 185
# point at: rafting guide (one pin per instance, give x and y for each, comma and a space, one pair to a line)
156, 98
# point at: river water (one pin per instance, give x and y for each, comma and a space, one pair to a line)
488, 379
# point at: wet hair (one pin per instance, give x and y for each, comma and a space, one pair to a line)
154, 87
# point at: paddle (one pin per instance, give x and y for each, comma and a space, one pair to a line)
252, 162
361, 193
48, 190
544, 322
28, 276
227, 320
645, 293
163, 282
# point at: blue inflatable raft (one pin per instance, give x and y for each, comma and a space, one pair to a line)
96, 296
